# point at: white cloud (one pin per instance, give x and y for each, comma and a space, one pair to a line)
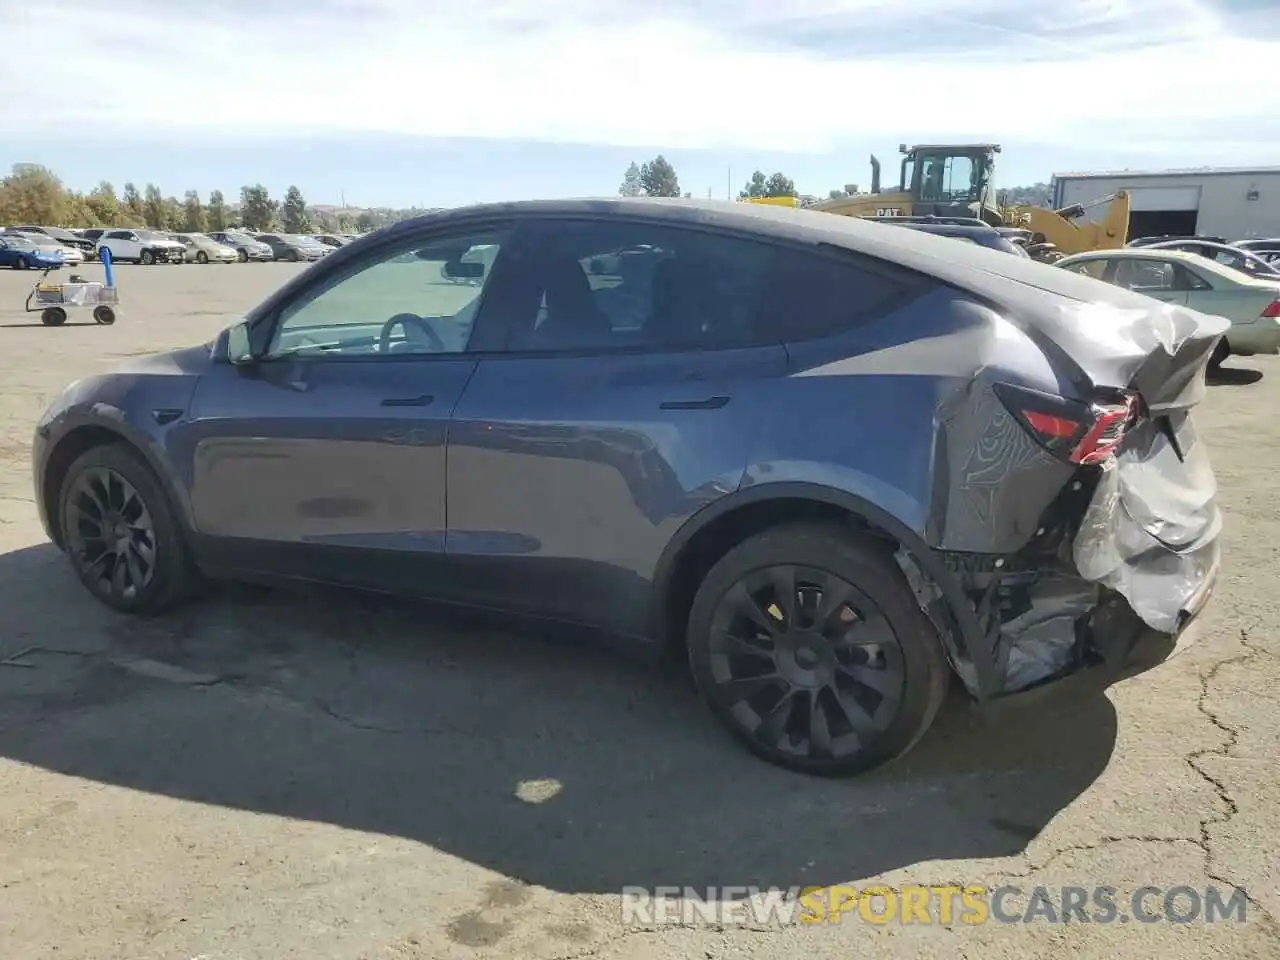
672, 73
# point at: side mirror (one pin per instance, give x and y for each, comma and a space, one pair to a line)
239, 347
463, 270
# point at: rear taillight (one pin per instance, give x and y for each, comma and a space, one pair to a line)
1076, 432
1273, 311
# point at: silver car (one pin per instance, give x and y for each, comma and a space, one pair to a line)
204, 249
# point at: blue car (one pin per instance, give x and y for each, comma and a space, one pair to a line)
19, 253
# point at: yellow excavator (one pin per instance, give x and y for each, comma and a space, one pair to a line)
957, 180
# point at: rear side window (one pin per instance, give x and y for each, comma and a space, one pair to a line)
813, 294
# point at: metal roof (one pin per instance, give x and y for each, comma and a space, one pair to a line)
1186, 172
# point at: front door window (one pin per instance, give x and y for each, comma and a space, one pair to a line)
416, 298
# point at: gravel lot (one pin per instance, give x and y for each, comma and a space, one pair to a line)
271, 776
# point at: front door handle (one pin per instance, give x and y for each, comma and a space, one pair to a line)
709, 403
421, 401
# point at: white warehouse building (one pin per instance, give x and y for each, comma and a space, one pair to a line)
1235, 203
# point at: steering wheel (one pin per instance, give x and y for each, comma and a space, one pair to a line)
407, 320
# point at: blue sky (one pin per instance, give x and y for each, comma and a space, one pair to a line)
399, 102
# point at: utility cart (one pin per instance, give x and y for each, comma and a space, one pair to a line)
52, 299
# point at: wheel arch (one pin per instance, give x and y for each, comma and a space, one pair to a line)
82, 437
722, 525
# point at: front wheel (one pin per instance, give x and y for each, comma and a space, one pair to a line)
121, 533
809, 646
293, 256
53, 316
202, 257
243, 256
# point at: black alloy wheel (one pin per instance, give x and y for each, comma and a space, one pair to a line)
119, 531
112, 537
811, 648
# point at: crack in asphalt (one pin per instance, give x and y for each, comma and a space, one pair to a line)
1231, 738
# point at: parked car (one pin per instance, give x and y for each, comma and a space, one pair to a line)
1187, 279
970, 230
141, 246
330, 239
1268, 250
18, 253
71, 256
1237, 259
1166, 237
92, 235
291, 246
68, 238
828, 462
204, 249
246, 247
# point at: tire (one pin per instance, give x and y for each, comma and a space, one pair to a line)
142, 586
293, 256
20, 263
202, 257
885, 640
104, 315
1219, 355
243, 255
147, 258
53, 316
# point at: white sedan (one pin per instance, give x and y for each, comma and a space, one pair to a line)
71, 256
1251, 304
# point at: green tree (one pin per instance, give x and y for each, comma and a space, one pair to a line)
293, 212
216, 213
192, 213
103, 203
631, 185
32, 194
755, 187
131, 203
153, 207
776, 185
849, 190
779, 185
77, 212
658, 178
172, 215
257, 209
364, 222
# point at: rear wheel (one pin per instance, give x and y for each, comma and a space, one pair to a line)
243, 255
121, 533
809, 646
293, 256
21, 263
104, 315
148, 257
53, 316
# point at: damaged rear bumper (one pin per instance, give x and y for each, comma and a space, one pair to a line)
1128, 555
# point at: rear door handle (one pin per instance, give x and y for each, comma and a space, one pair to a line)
421, 401
710, 403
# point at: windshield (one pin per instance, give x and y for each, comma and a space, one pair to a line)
40, 240
17, 243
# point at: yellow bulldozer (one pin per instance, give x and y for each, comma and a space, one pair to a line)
958, 180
